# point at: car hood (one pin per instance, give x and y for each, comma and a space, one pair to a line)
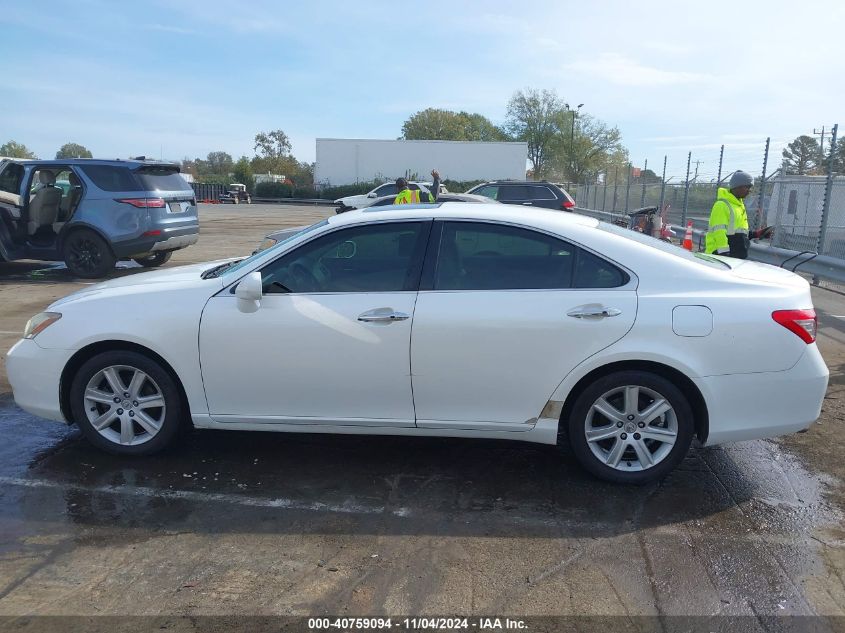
351, 200
181, 275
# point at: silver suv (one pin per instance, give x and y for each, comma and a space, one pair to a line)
90, 213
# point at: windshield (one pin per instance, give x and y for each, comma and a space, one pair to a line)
249, 260
666, 247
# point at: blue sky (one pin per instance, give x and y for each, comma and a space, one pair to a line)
186, 77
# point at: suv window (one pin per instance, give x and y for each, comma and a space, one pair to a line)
488, 191
386, 190
541, 192
480, 256
161, 179
374, 258
11, 177
513, 192
111, 177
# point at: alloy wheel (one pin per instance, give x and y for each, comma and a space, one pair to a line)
124, 405
631, 428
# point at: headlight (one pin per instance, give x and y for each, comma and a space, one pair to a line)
39, 323
267, 243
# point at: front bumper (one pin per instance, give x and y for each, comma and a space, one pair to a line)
755, 406
35, 374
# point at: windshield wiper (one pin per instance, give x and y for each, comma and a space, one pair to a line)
215, 272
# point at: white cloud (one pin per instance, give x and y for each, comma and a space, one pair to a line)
170, 29
624, 71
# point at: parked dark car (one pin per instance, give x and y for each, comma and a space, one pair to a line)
526, 192
237, 194
90, 213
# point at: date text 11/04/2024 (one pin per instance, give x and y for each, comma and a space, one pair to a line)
415, 624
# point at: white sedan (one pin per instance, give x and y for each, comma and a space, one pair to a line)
474, 321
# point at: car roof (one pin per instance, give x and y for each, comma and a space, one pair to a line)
460, 210
131, 163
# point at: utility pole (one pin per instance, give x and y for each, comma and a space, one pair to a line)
572, 136
697, 163
821, 143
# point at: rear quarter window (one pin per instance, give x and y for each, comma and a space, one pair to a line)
111, 178
161, 180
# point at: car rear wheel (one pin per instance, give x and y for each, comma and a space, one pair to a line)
126, 403
631, 427
154, 259
87, 255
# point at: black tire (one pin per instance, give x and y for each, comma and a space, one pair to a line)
154, 259
681, 411
172, 413
87, 255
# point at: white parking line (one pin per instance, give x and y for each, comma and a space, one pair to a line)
212, 497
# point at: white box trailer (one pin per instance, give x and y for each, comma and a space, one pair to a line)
347, 161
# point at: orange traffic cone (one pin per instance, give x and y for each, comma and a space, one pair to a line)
688, 237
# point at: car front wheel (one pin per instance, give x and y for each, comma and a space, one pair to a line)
87, 255
631, 427
126, 403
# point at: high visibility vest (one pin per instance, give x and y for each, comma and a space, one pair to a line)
412, 196
727, 217
407, 196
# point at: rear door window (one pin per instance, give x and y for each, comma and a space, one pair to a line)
111, 177
594, 272
513, 193
482, 256
161, 179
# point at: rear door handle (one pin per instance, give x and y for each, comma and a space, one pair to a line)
594, 313
382, 315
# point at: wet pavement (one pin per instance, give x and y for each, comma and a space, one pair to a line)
271, 523
277, 523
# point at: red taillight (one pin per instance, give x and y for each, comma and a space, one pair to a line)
155, 233
568, 204
144, 203
802, 322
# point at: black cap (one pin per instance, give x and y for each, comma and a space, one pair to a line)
401, 183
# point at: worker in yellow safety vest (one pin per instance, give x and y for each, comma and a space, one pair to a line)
406, 195
727, 233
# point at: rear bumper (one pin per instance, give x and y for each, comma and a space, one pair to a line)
35, 374
754, 406
170, 239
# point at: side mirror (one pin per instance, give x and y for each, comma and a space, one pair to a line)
372, 195
249, 293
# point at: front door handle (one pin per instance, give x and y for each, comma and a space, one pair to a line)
382, 315
599, 312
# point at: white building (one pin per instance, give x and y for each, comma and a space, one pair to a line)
347, 161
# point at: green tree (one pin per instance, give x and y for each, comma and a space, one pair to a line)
445, 125
801, 156
537, 117
13, 149
275, 144
838, 158
73, 150
242, 173
596, 147
219, 163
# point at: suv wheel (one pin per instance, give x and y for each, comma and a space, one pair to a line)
155, 259
631, 427
126, 403
87, 255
